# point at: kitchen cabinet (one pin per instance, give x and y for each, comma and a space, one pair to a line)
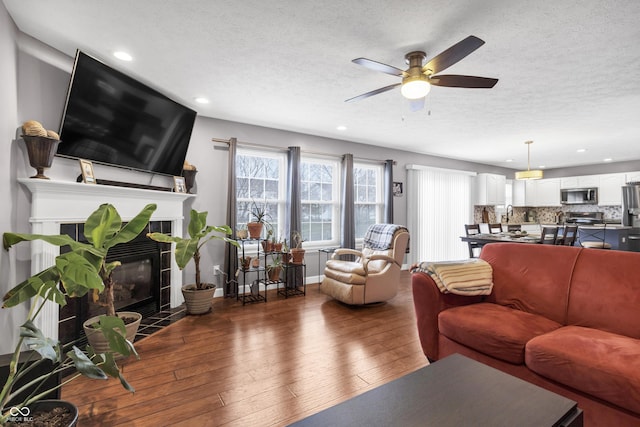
610, 189
632, 177
543, 192
490, 189
519, 193
584, 181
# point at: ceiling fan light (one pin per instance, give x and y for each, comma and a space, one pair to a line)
415, 88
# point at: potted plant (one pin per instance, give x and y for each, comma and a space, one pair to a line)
274, 268
198, 297
242, 233
286, 256
81, 270
259, 216
297, 252
104, 229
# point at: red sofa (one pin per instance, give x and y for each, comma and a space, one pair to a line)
564, 318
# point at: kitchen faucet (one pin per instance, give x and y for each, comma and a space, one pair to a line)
509, 206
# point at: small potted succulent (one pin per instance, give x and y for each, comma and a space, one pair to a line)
274, 268
259, 216
199, 295
297, 252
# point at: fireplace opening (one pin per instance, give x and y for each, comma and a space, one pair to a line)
136, 280
141, 281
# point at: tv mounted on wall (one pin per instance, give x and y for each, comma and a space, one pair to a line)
114, 119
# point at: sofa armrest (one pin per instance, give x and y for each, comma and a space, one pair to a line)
429, 302
345, 251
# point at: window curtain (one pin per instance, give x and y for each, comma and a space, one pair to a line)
293, 218
388, 192
438, 207
230, 251
348, 236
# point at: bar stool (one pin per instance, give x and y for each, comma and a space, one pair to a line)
548, 235
495, 228
568, 238
472, 230
598, 243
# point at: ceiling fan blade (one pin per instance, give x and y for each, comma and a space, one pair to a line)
378, 66
373, 92
473, 82
452, 55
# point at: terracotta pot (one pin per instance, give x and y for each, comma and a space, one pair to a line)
297, 255
198, 301
99, 342
255, 263
245, 262
274, 273
255, 229
277, 247
266, 245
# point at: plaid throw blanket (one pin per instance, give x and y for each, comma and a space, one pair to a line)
379, 237
467, 277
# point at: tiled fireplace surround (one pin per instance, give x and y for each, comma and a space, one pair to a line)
57, 202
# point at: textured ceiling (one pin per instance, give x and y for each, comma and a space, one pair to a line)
568, 70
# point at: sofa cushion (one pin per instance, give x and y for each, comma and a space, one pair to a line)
605, 292
532, 278
602, 364
492, 329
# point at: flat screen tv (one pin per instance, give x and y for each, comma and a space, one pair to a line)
114, 119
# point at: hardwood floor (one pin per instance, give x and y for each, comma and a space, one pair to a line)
258, 365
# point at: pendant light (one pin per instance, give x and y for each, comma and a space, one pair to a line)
529, 174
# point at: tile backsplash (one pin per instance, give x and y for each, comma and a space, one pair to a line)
545, 215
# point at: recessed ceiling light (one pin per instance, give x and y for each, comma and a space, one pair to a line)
123, 56
581, 150
201, 100
541, 167
509, 160
341, 127
608, 159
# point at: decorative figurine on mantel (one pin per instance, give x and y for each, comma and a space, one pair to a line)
189, 173
41, 145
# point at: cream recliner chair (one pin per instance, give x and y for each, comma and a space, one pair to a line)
375, 274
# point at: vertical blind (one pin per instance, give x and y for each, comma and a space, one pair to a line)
438, 206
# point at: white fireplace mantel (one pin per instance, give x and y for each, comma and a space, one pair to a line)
58, 202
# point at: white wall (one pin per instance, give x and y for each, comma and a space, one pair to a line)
10, 319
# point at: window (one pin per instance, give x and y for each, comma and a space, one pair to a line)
367, 196
319, 192
260, 180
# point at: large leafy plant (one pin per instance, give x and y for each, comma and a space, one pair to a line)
188, 248
81, 270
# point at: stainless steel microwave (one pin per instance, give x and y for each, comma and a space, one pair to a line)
579, 196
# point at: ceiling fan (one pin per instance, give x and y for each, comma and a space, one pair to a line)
418, 78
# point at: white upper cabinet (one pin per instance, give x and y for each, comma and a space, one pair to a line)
632, 177
585, 181
490, 189
610, 189
569, 182
519, 193
543, 192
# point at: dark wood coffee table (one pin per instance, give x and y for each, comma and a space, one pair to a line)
455, 391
